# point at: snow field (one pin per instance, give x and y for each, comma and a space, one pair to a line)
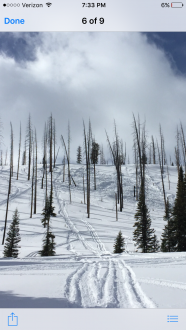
85, 272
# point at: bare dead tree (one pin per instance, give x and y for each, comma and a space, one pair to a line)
1, 157
144, 156
83, 187
69, 156
161, 155
141, 157
116, 207
63, 162
162, 172
9, 185
164, 153
12, 151
153, 151
33, 179
19, 152
137, 170
183, 145
44, 154
50, 141
87, 146
50, 136
29, 143
6, 157
162, 149
24, 155
68, 159
137, 133
177, 150
150, 154
35, 185
140, 146
168, 176
46, 162
115, 150
54, 139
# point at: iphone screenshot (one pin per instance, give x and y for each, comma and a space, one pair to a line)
93, 165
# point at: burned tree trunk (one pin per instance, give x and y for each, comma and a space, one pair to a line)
63, 169
68, 160
9, 185
183, 146
54, 138
29, 139
87, 141
19, 153
153, 151
161, 171
35, 186
83, 188
32, 186
117, 157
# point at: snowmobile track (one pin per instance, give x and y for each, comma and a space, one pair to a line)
106, 283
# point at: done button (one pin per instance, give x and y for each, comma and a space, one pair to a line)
14, 21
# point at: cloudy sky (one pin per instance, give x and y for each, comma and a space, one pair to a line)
101, 76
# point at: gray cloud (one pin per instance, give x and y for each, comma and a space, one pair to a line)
19, 46
101, 76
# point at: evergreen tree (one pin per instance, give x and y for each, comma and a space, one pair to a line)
119, 243
179, 213
79, 155
48, 241
48, 210
155, 244
48, 244
13, 238
46, 213
143, 234
51, 207
94, 158
94, 152
168, 240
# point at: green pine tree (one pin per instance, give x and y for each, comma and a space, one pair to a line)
46, 213
94, 152
179, 213
168, 240
48, 244
79, 155
143, 234
13, 238
51, 207
155, 247
119, 243
48, 241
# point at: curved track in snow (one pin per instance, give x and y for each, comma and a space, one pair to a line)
62, 210
170, 284
106, 283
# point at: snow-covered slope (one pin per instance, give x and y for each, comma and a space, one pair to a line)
85, 272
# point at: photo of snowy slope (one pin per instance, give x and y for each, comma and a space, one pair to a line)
85, 272
92, 170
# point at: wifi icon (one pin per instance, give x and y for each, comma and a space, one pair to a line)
49, 4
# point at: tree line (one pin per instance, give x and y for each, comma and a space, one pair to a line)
144, 153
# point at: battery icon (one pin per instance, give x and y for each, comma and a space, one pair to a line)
176, 4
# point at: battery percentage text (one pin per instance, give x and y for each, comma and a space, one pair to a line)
165, 5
